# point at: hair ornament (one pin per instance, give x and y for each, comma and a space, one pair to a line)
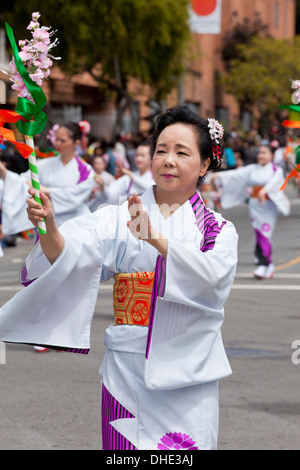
85, 130
216, 131
52, 134
85, 127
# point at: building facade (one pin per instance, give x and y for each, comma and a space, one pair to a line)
200, 89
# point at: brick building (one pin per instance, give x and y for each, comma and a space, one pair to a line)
200, 89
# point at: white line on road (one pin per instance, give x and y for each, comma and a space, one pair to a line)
276, 276
265, 287
109, 288
103, 288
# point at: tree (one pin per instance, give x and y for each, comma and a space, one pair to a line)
242, 33
262, 74
116, 40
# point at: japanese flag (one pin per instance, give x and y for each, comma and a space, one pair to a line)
205, 16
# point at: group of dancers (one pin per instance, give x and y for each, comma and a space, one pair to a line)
76, 187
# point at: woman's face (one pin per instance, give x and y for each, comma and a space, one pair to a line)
264, 155
64, 143
143, 158
176, 163
98, 164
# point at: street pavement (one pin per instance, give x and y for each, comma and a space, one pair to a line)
51, 401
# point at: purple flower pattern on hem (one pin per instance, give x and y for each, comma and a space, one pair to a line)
178, 441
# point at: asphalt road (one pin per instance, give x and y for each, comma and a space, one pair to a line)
51, 401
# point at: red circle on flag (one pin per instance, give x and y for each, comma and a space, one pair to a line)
204, 7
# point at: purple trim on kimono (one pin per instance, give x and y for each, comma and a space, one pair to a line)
23, 276
83, 170
159, 283
206, 223
263, 248
129, 186
57, 348
111, 411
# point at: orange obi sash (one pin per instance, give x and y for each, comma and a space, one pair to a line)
255, 191
132, 294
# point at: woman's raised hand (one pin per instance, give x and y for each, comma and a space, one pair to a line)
139, 224
36, 211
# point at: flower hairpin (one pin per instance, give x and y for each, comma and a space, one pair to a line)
216, 131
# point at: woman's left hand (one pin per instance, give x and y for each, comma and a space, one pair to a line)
139, 224
262, 196
141, 228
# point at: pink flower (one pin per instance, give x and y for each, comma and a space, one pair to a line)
33, 25
41, 35
177, 441
35, 56
24, 56
37, 77
40, 47
35, 15
13, 67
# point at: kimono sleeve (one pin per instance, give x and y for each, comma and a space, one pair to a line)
15, 194
68, 198
116, 192
184, 344
56, 308
273, 190
234, 185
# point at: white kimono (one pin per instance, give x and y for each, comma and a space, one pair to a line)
123, 187
235, 190
97, 198
69, 188
160, 383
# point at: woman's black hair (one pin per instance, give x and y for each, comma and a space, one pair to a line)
183, 114
74, 130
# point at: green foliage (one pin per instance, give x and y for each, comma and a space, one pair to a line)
263, 71
242, 33
144, 39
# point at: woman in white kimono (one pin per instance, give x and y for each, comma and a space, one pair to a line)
67, 179
131, 181
262, 182
102, 177
174, 263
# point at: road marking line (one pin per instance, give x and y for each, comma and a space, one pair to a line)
107, 288
288, 264
265, 287
276, 276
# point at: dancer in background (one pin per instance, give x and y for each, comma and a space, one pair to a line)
102, 178
174, 262
66, 178
131, 181
262, 181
